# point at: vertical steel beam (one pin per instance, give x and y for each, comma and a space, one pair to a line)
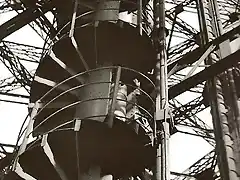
114, 97
27, 134
139, 16
209, 20
162, 127
232, 100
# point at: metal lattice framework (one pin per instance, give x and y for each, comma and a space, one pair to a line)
185, 56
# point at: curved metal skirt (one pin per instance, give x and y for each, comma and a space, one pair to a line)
120, 151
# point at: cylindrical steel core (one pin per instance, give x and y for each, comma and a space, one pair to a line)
95, 95
107, 10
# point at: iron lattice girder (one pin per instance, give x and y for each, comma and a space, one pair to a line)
18, 22
185, 115
14, 65
178, 51
182, 26
4, 7
4, 156
226, 7
21, 52
9, 84
191, 108
23, 19
192, 56
195, 106
199, 128
206, 162
45, 26
204, 75
209, 72
178, 78
25, 52
179, 3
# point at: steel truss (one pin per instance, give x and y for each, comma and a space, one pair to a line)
186, 72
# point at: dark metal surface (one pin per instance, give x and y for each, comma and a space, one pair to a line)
204, 75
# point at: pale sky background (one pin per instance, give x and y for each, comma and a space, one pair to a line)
184, 149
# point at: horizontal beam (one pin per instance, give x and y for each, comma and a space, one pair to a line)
194, 55
16, 102
181, 174
198, 135
7, 145
18, 22
204, 75
14, 95
20, 44
21, 20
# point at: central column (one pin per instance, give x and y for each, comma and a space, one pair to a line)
94, 173
162, 134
